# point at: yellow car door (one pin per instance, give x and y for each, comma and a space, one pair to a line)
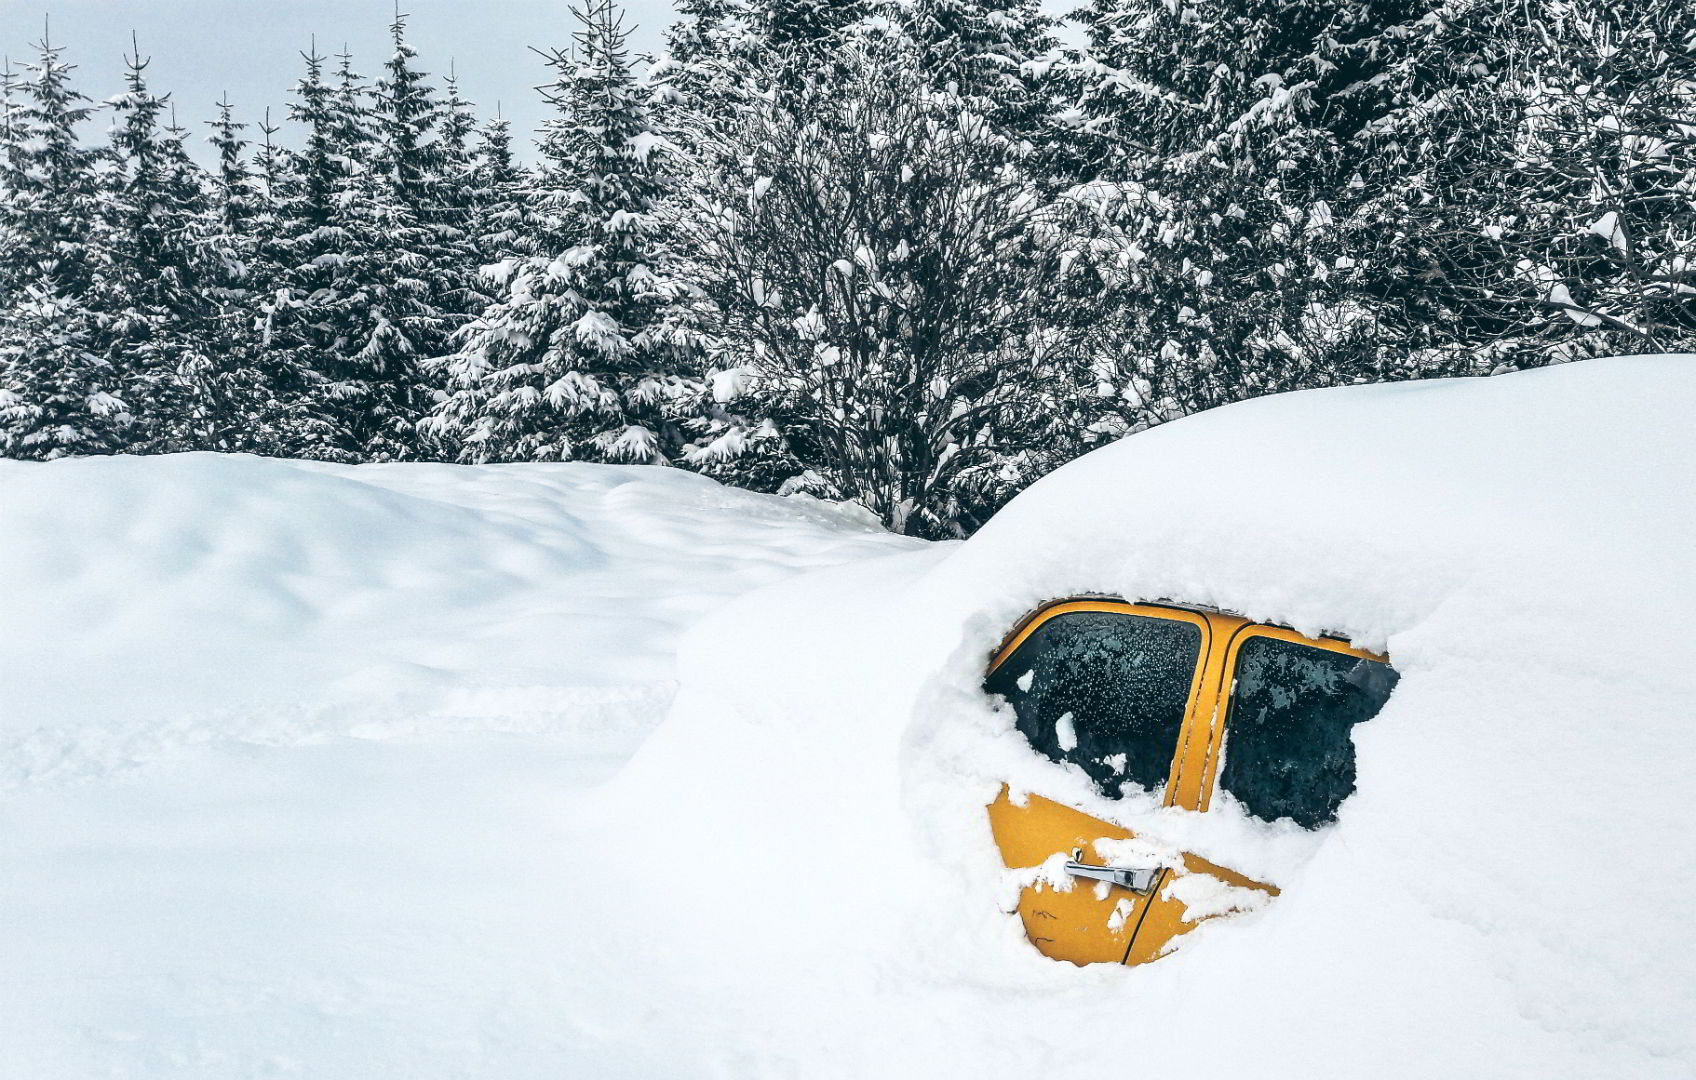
1138, 694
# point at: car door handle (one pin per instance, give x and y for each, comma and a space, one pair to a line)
1138, 879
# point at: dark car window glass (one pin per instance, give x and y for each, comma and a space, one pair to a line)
1104, 690
1288, 750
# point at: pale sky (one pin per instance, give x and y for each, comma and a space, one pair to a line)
251, 48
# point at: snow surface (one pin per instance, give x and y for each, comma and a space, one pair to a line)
356, 772
290, 753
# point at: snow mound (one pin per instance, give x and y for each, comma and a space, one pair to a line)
1505, 895
294, 757
368, 782
153, 603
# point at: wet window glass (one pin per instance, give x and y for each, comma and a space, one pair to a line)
1288, 748
1105, 691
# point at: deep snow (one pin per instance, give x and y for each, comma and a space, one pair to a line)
290, 753
356, 772
1506, 895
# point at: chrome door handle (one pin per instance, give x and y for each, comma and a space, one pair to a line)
1138, 879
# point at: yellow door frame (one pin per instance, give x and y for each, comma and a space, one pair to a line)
1189, 783
1225, 686
1172, 613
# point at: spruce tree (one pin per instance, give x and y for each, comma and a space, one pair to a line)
154, 287
13, 278
697, 76
505, 220
458, 196
580, 358
52, 209
59, 393
354, 309
988, 49
234, 198
1544, 210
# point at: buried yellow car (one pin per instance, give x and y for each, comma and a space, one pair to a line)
1178, 701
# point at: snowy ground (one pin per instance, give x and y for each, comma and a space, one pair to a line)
363, 773
290, 754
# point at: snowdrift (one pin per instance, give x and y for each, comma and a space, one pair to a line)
291, 755
1505, 895
361, 772
157, 602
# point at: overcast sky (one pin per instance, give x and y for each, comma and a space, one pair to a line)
251, 48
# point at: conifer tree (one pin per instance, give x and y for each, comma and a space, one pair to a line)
698, 72
59, 393
12, 179
153, 287
800, 27
354, 307
53, 205
580, 359
458, 196
988, 49
507, 225
1538, 211
233, 196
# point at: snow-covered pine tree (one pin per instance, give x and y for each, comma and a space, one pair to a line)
698, 71
58, 395
1228, 136
353, 128
267, 400
239, 400
12, 180
797, 27
457, 195
58, 392
405, 113
234, 198
52, 208
308, 254
505, 221
152, 287
581, 358
419, 267
704, 34
270, 161
355, 309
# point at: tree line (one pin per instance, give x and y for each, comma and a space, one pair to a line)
914, 253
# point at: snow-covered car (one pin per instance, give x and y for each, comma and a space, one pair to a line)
1504, 893
1177, 700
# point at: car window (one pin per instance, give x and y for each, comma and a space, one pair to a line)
1288, 748
1103, 690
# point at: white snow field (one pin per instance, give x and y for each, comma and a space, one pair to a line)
361, 772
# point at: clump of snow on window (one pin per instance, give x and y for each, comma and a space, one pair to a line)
1066, 732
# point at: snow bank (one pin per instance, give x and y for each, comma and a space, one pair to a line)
292, 756
203, 875
158, 602
1506, 895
